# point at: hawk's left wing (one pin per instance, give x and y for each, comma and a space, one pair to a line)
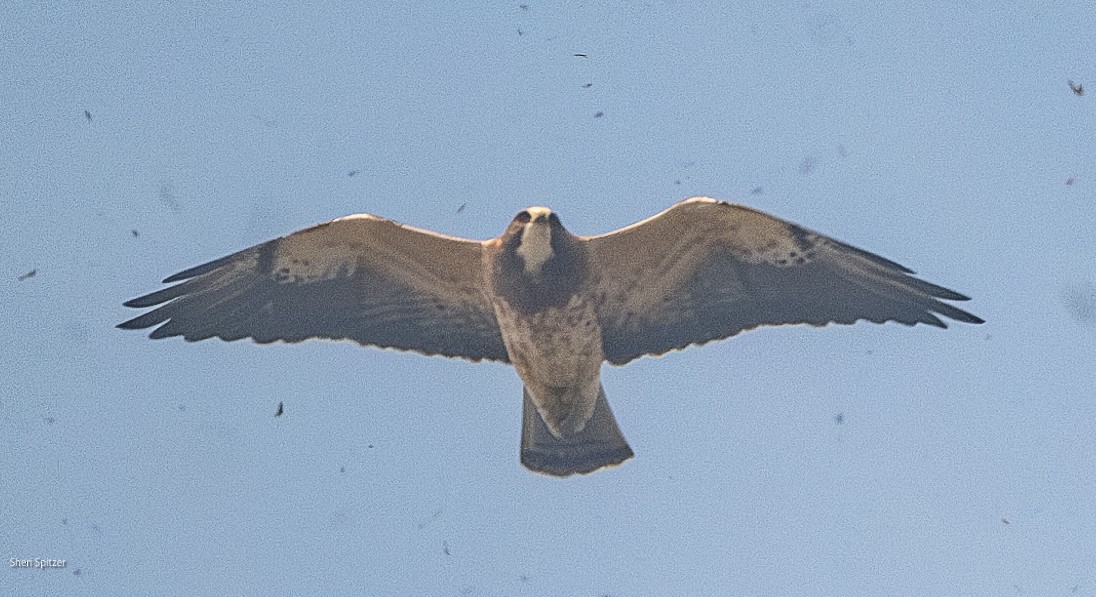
704, 270
364, 278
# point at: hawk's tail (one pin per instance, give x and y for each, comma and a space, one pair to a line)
598, 445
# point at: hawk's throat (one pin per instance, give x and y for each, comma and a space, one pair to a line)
535, 246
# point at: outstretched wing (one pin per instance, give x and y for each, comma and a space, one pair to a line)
704, 270
364, 278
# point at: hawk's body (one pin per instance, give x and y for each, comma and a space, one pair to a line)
545, 303
552, 304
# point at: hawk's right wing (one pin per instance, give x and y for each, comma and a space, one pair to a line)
705, 270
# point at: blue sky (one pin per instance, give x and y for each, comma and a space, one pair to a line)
942, 136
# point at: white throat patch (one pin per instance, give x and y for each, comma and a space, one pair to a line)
535, 246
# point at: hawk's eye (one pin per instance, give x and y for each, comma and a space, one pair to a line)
523, 217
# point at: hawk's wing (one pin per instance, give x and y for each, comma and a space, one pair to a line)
704, 270
365, 278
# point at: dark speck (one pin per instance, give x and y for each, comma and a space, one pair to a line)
342, 469
30, 274
135, 233
76, 572
1077, 88
167, 195
587, 85
599, 114
757, 190
461, 208
806, 166
524, 7
1004, 520
1080, 302
581, 56
839, 418
445, 547
87, 115
281, 409
352, 173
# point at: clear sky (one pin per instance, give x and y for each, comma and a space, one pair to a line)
138, 140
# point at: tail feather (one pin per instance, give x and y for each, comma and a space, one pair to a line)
598, 445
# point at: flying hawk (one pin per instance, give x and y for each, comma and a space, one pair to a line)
552, 304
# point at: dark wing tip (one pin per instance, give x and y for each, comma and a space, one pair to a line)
161, 296
141, 322
932, 296
200, 269
929, 299
940, 292
146, 300
964, 316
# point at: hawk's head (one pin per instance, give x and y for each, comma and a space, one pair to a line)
539, 263
534, 238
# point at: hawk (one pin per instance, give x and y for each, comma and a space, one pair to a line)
552, 304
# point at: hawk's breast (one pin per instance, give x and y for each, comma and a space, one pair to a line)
558, 346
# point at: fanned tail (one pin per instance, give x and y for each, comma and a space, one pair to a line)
598, 445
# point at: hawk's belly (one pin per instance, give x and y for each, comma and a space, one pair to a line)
558, 354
